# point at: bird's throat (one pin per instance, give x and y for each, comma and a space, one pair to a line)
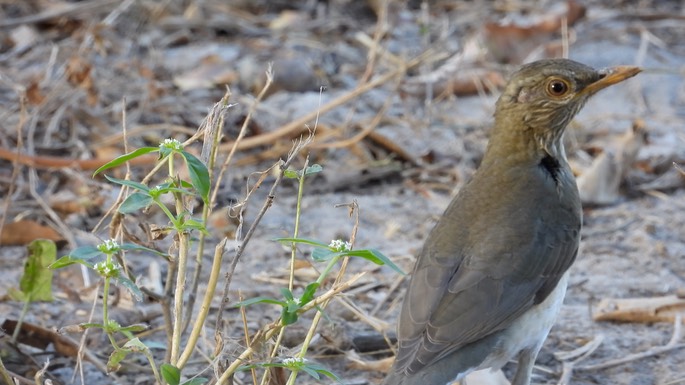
552, 166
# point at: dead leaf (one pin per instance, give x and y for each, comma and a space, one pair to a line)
25, 231
210, 72
461, 74
33, 94
671, 179
600, 183
40, 338
358, 363
287, 18
512, 43
651, 309
225, 221
78, 71
79, 75
66, 202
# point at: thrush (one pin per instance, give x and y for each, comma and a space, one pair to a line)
492, 274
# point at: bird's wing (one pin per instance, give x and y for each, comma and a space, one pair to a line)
462, 291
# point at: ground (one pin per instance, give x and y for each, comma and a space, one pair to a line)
400, 125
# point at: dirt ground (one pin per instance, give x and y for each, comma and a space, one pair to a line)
402, 122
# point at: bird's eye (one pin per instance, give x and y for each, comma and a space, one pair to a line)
557, 87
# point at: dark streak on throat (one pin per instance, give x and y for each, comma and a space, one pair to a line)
551, 165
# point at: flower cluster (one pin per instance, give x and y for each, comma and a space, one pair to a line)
107, 269
109, 246
294, 361
171, 144
339, 246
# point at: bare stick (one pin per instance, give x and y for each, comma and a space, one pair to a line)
671, 345
267, 204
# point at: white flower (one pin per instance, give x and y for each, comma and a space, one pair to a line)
339, 245
106, 269
109, 246
172, 144
291, 361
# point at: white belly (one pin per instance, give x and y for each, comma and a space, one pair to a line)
530, 330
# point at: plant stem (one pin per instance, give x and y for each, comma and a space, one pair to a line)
214, 124
155, 372
5, 374
182, 263
105, 310
206, 303
24, 310
293, 254
178, 295
275, 327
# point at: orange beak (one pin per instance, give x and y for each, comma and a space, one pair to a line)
611, 76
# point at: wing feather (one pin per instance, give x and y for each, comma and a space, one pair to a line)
473, 278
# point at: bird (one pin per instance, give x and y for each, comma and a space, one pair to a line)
492, 274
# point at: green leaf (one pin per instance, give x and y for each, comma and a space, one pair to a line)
196, 381
313, 169
309, 292
132, 346
131, 286
194, 224
125, 158
297, 174
129, 183
115, 358
374, 256
311, 372
288, 317
287, 293
134, 247
302, 240
171, 374
36, 282
85, 252
91, 325
186, 185
135, 202
165, 152
135, 345
323, 255
134, 328
199, 175
66, 261
252, 301
320, 369
291, 174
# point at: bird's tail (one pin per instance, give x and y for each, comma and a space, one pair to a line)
453, 367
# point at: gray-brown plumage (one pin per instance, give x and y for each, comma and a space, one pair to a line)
491, 276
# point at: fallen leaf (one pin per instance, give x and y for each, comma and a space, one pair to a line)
79, 74
33, 94
287, 18
25, 231
600, 183
511, 43
358, 363
40, 338
210, 72
644, 310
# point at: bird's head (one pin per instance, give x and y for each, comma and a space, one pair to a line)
542, 97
